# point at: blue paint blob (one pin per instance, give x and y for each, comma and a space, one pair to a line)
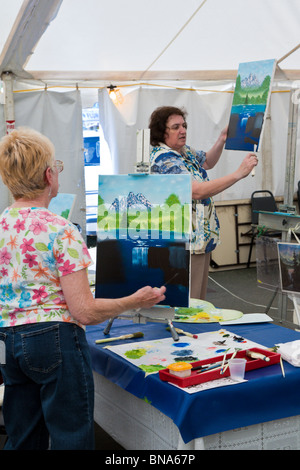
181, 345
183, 352
220, 350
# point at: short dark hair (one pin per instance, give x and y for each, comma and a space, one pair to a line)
158, 120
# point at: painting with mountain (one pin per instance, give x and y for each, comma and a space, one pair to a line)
249, 105
143, 235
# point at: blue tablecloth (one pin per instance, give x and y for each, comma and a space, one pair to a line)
266, 395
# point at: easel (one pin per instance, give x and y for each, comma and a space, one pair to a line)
286, 219
159, 314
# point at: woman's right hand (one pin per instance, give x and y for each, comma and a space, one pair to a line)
148, 296
247, 165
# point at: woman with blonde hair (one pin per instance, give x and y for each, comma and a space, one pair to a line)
45, 301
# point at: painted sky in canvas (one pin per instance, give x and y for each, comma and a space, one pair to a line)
156, 188
260, 68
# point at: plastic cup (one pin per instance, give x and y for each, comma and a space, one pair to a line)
237, 369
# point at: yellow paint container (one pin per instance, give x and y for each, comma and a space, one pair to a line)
180, 369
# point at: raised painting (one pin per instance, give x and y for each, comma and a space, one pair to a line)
143, 235
250, 102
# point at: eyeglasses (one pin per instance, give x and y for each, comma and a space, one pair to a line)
176, 127
59, 165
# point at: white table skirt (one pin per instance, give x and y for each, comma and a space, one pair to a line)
136, 425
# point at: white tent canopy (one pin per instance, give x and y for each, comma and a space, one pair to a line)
157, 52
142, 39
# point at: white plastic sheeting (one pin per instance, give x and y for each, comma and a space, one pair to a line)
208, 114
171, 35
59, 117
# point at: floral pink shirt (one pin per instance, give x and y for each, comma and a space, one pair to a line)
37, 247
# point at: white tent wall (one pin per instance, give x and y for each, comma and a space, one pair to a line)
208, 113
58, 116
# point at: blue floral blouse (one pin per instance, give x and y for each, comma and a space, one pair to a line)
205, 223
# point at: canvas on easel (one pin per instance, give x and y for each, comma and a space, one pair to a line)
143, 235
249, 106
63, 204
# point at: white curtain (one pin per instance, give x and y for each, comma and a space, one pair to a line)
208, 114
59, 116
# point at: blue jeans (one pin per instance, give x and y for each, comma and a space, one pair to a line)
49, 389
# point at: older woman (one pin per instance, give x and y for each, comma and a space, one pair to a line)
45, 300
170, 154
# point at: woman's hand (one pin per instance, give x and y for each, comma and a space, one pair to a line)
148, 296
247, 165
90, 311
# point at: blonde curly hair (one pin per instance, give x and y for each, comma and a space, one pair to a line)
25, 154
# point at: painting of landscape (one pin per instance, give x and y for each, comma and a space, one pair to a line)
143, 235
250, 102
289, 267
63, 204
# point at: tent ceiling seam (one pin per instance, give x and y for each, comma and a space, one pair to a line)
288, 54
175, 37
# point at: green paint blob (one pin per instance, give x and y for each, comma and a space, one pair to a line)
151, 368
135, 353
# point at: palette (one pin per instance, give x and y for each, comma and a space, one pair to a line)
201, 311
198, 377
153, 356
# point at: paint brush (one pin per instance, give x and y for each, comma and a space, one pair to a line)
281, 365
232, 357
256, 355
138, 334
224, 358
216, 366
205, 367
168, 282
186, 333
165, 284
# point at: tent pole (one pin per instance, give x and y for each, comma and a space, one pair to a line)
289, 181
9, 109
9, 115
266, 161
291, 151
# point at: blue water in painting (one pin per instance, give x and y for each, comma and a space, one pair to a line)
244, 134
124, 265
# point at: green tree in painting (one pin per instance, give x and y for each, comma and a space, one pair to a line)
251, 95
172, 199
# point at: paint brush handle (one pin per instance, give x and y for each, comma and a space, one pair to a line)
256, 355
210, 368
117, 338
227, 365
186, 333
